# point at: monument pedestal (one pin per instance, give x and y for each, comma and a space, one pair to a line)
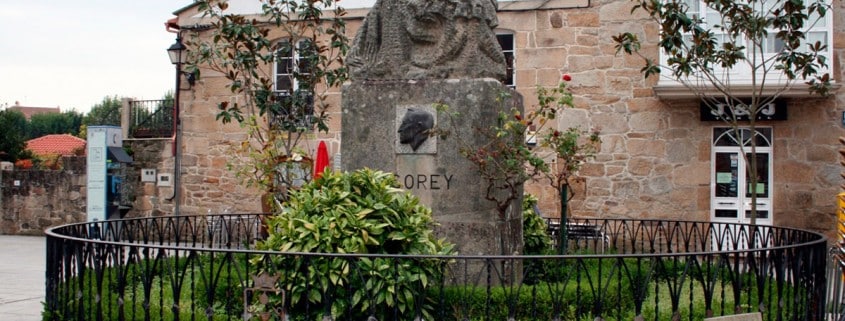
374, 113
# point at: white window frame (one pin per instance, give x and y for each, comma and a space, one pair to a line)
511, 65
289, 67
740, 74
294, 58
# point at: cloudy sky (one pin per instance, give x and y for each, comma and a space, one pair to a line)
73, 53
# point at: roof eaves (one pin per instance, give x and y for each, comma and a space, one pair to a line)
185, 8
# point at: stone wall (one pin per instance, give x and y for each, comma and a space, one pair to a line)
43, 199
207, 185
34, 200
147, 198
209, 161
655, 154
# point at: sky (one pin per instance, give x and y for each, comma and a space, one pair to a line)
72, 54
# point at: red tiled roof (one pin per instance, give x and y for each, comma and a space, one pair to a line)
55, 144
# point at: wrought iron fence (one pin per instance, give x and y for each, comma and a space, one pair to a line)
151, 118
836, 286
207, 268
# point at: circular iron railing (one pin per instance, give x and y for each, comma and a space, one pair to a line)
207, 268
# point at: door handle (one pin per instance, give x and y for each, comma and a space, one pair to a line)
727, 203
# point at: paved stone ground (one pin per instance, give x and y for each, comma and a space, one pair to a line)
21, 277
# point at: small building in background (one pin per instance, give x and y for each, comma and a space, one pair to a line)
59, 144
29, 111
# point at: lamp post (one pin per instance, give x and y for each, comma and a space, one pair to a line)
177, 53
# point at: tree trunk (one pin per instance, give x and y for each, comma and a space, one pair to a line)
564, 202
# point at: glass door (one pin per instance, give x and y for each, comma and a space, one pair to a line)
731, 187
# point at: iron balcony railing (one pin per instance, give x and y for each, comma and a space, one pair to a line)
207, 268
151, 118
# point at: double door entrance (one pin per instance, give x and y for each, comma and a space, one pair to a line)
731, 185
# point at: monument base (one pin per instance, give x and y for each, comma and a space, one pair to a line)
434, 170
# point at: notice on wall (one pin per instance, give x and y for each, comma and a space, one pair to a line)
760, 188
724, 178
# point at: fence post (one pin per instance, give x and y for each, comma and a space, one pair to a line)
125, 112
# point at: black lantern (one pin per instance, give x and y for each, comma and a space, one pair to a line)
177, 52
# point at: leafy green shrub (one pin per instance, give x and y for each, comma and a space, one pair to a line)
133, 291
535, 237
220, 283
535, 232
358, 212
576, 297
530, 303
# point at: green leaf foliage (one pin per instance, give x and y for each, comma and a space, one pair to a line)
107, 112
507, 160
534, 229
764, 45
535, 239
13, 128
359, 212
699, 49
569, 292
246, 50
55, 123
573, 148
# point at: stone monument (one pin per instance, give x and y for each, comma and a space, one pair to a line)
408, 56
427, 39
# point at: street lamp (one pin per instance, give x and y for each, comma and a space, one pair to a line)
177, 53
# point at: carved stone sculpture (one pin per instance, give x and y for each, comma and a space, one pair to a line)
415, 127
428, 39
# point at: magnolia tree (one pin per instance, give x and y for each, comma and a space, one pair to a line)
279, 64
737, 57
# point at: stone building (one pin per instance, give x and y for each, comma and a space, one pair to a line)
660, 156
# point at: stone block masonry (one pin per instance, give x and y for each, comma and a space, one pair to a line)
655, 154
373, 112
34, 200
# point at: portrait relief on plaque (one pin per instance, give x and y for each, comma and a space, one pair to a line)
413, 130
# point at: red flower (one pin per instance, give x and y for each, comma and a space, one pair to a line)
518, 117
566, 77
23, 163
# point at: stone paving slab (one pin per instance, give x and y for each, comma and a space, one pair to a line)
22, 266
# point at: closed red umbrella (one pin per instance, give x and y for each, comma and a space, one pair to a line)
322, 160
